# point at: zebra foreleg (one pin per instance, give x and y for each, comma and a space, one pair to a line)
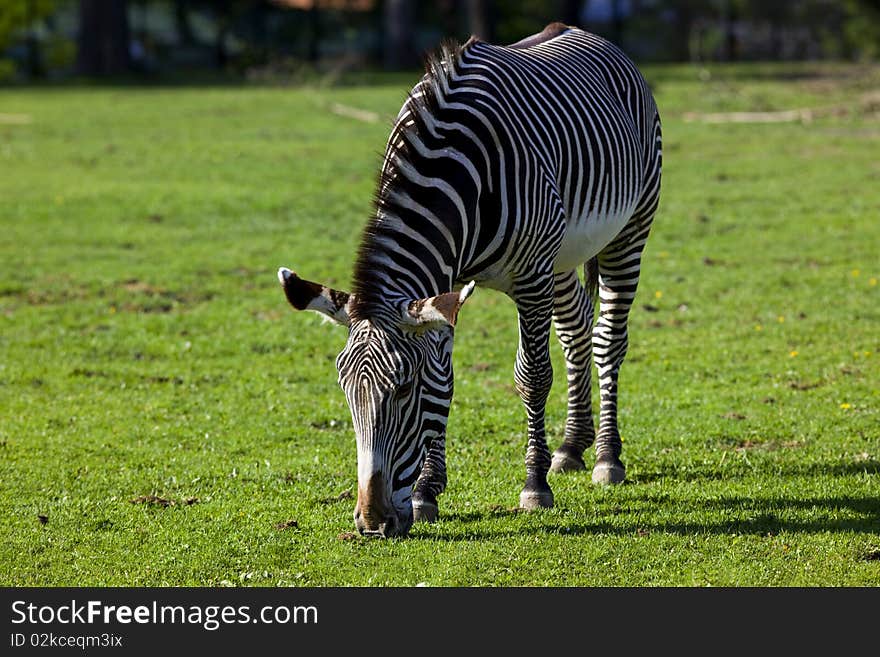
619, 266
431, 482
573, 318
533, 376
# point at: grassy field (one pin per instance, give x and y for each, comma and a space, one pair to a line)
167, 419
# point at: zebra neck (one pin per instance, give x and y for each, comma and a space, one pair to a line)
416, 246
427, 226
407, 253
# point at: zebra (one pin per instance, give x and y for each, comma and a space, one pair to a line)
510, 167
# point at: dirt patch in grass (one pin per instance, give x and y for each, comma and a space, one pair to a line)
142, 287
344, 495
87, 373
152, 500
149, 298
155, 500
501, 510
54, 294
767, 445
804, 385
176, 380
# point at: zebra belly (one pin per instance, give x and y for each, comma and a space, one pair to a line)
587, 236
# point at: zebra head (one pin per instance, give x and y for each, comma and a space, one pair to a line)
396, 372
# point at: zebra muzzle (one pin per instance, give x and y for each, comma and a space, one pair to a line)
374, 514
385, 529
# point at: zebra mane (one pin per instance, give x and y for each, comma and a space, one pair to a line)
367, 283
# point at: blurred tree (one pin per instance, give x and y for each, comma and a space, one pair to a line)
777, 15
516, 19
686, 13
103, 37
20, 16
862, 28
398, 45
481, 19
225, 15
446, 17
571, 11
182, 23
224, 11
314, 38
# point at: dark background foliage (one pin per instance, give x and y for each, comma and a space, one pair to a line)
280, 39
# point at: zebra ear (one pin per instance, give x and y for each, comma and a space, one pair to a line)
306, 295
438, 311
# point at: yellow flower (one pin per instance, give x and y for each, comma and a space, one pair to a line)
872, 281
846, 406
758, 327
780, 319
855, 272
658, 294
792, 354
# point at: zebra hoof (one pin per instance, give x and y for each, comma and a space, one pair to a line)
425, 511
536, 499
605, 473
566, 462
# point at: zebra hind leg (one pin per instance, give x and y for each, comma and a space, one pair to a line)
619, 266
431, 482
573, 318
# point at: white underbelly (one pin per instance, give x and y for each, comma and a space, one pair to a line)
587, 236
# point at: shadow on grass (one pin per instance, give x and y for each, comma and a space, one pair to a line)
849, 469
748, 515
766, 518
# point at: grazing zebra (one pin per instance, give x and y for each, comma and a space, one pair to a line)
511, 167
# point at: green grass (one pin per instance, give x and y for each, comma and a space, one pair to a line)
146, 349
